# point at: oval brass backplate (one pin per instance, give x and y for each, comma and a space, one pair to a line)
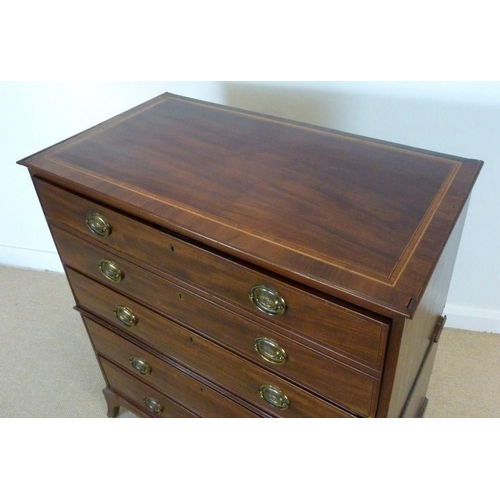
270, 350
98, 224
267, 300
125, 316
110, 271
275, 397
140, 365
153, 405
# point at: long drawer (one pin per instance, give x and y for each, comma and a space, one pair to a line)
172, 382
350, 333
216, 364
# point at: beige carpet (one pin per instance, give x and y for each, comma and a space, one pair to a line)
48, 368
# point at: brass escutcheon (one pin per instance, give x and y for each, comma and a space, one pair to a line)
110, 271
267, 300
98, 224
275, 397
270, 350
125, 316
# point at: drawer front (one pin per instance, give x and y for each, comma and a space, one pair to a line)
350, 333
218, 323
194, 395
350, 388
232, 373
146, 398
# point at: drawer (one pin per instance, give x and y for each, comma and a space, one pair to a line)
205, 316
348, 332
146, 398
194, 395
225, 369
350, 388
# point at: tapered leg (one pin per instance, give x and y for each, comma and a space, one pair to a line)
112, 402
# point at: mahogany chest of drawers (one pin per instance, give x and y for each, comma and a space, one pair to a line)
232, 264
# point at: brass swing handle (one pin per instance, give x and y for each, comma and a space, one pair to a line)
140, 365
97, 224
267, 300
270, 350
275, 397
110, 271
153, 404
125, 316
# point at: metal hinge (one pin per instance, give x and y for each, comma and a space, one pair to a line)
438, 328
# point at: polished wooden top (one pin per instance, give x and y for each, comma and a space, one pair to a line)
361, 219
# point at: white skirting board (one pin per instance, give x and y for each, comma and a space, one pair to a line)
30, 259
469, 318
460, 317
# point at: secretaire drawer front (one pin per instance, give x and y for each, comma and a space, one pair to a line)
350, 388
349, 332
149, 400
196, 396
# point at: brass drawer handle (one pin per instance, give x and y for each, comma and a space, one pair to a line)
140, 365
125, 316
275, 397
267, 300
98, 224
110, 271
152, 404
270, 350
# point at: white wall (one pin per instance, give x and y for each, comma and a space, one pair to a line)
456, 118
34, 116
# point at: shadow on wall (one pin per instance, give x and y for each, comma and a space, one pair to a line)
371, 115
430, 122
307, 105
357, 112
